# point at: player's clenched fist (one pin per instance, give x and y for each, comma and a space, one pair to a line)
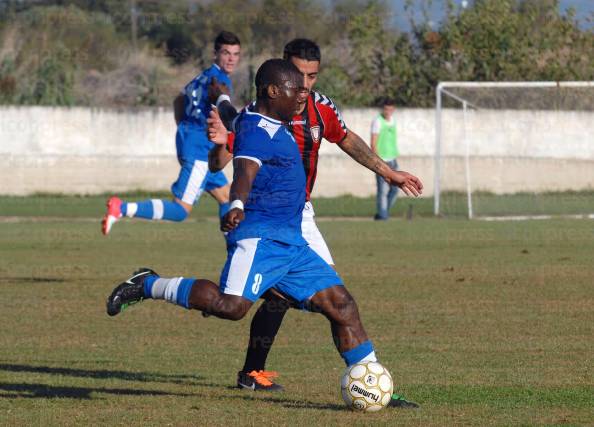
232, 219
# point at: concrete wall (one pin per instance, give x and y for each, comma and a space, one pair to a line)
80, 150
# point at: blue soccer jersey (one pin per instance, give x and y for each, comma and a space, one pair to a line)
191, 140
197, 105
275, 204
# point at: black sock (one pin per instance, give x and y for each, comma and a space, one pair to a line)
263, 330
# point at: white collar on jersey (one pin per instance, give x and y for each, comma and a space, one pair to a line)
270, 119
270, 125
215, 65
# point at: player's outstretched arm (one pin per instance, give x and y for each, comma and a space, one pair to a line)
244, 173
355, 147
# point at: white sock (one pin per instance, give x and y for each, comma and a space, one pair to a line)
158, 208
369, 358
166, 289
131, 209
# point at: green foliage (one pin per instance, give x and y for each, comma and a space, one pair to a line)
8, 84
498, 40
53, 81
47, 48
65, 52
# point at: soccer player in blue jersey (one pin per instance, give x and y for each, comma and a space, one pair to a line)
317, 118
265, 244
191, 110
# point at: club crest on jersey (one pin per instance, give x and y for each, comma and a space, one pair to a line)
315, 133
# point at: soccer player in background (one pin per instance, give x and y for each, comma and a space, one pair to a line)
317, 118
266, 248
191, 110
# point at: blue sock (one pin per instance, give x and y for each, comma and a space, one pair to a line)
149, 281
142, 209
176, 290
173, 211
223, 209
155, 209
357, 354
183, 292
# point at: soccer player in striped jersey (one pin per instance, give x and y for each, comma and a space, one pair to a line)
265, 245
317, 118
191, 109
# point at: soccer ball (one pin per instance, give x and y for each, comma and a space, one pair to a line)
367, 387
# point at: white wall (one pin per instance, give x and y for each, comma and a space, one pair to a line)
80, 150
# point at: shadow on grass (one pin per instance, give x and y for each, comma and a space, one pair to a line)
44, 391
31, 280
292, 403
106, 374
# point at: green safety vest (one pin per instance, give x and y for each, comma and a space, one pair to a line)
387, 146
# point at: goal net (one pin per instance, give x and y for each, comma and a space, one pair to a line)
514, 149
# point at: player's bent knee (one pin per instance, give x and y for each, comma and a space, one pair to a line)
233, 307
186, 206
336, 303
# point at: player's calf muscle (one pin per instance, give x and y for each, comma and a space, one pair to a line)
348, 337
339, 307
205, 296
221, 194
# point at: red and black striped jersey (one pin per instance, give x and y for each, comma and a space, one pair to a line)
320, 119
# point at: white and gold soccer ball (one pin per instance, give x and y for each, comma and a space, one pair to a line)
367, 387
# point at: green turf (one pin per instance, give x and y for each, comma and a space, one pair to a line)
483, 324
452, 205
488, 204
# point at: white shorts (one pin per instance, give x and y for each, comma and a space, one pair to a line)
314, 238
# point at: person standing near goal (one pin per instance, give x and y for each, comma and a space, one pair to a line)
384, 143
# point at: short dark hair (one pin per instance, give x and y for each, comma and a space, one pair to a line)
225, 37
274, 72
303, 49
388, 101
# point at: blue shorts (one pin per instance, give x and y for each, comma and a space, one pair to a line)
255, 265
194, 177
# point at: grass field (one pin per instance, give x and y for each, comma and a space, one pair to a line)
481, 323
452, 205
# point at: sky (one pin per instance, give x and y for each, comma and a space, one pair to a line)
584, 8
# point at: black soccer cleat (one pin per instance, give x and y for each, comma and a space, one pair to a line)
128, 293
258, 381
400, 402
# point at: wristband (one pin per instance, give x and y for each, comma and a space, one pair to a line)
222, 98
236, 204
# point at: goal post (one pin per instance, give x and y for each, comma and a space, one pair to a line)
501, 149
